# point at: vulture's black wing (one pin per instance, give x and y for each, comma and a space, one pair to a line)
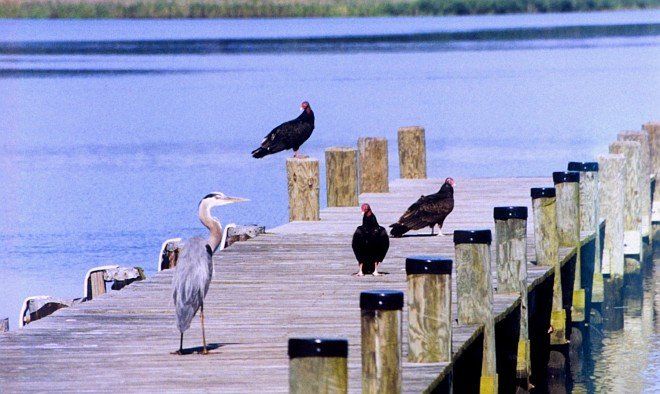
288, 135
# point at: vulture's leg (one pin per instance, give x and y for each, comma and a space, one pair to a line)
204, 351
295, 153
360, 273
433, 229
376, 273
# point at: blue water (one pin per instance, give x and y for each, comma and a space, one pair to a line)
106, 152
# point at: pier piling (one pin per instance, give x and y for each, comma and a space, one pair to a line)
341, 177
4, 324
318, 365
475, 296
373, 166
546, 241
429, 309
412, 152
612, 182
568, 229
645, 168
511, 261
653, 129
303, 186
381, 320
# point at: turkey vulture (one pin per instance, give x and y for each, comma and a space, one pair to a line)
427, 211
370, 243
288, 135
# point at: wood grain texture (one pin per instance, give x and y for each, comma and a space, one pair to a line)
568, 229
412, 152
303, 186
381, 351
632, 203
373, 166
589, 221
429, 318
653, 129
645, 168
341, 177
612, 201
327, 375
96, 284
546, 238
293, 281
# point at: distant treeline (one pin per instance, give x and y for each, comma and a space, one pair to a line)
296, 8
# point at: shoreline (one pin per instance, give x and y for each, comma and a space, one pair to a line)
206, 9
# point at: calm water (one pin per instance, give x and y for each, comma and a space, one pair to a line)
113, 130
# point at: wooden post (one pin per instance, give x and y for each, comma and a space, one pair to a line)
318, 365
567, 185
303, 186
612, 183
546, 241
589, 217
412, 152
341, 177
645, 168
4, 324
632, 230
381, 340
429, 309
653, 128
475, 295
511, 261
97, 284
373, 167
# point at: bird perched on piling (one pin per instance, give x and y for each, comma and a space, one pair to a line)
427, 211
194, 268
370, 243
288, 135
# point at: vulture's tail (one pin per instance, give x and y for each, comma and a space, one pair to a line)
398, 230
259, 152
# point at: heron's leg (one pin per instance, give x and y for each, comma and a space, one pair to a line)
180, 351
204, 351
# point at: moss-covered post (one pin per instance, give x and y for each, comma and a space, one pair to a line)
412, 152
589, 217
567, 185
373, 165
612, 171
511, 261
645, 168
632, 235
303, 186
341, 177
546, 241
381, 340
475, 296
318, 365
429, 309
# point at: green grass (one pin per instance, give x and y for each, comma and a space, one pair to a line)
296, 8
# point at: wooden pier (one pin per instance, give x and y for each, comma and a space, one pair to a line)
293, 281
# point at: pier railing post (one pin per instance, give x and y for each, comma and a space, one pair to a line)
612, 172
653, 129
341, 177
568, 228
475, 296
373, 166
511, 261
412, 152
589, 217
303, 187
645, 168
632, 235
318, 365
381, 320
429, 309
546, 241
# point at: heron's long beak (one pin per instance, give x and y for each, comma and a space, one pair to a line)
237, 199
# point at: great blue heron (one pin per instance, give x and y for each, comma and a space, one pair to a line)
194, 268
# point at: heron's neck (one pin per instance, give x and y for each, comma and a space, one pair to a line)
214, 226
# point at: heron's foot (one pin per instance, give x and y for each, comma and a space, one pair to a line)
205, 351
178, 352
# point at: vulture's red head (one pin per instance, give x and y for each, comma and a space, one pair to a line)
450, 181
305, 106
366, 209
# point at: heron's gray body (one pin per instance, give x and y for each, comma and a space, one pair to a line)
192, 277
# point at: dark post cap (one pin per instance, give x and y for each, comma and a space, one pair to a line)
583, 166
317, 347
565, 176
387, 300
505, 213
541, 192
437, 265
472, 237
